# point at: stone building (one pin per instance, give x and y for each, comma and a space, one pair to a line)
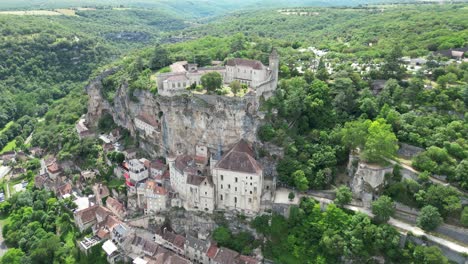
152, 197
116, 207
147, 124
238, 180
261, 79
137, 170
233, 182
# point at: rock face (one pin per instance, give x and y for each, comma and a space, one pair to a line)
368, 180
186, 121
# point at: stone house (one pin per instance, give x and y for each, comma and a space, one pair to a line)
116, 207
53, 170
87, 175
200, 193
147, 124
196, 250
238, 180
137, 171
119, 233
170, 240
83, 130
85, 218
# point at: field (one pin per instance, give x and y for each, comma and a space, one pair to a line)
56, 12
32, 13
6, 127
9, 147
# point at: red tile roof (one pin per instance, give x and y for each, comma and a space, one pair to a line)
211, 253
53, 167
240, 158
87, 215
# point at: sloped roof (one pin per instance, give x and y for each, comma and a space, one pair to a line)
87, 215
212, 251
145, 117
115, 204
240, 158
184, 161
226, 256
195, 179
53, 167
254, 64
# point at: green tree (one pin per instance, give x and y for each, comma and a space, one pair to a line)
381, 142
212, 81
12, 256
354, 133
429, 255
235, 87
383, 208
222, 235
343, 195
464, 216
160, 58
429, 218
300, 180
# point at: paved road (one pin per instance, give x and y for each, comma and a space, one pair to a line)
4, 170
403, 226
3, 247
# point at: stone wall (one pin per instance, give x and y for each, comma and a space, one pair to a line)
409, 151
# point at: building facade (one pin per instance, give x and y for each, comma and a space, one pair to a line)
262, 79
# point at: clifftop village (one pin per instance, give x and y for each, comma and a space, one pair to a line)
135, 224
164, 212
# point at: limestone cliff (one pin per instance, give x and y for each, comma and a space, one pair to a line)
186, 121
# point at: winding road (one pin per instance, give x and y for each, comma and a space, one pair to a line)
402, 226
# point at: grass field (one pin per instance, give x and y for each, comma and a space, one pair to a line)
32, 13
9, 147
6, 127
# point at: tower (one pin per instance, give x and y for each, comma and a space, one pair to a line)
274, 64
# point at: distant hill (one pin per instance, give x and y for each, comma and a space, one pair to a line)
200, 8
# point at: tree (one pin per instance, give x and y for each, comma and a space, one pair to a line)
222, 235
464, 216
12, 256
381, 142
235, 87
383, 208
300, 180
343, 195
212, 81
429, 218
160, 58
291, 196
429, 255
354, 134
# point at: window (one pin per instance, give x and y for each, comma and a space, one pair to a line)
221, 197
235, 199
250, 200
222, 177
250, 192
229, 186
236, 179
235, 189
221, 186
206, 193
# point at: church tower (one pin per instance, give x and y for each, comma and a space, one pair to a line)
274, 64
